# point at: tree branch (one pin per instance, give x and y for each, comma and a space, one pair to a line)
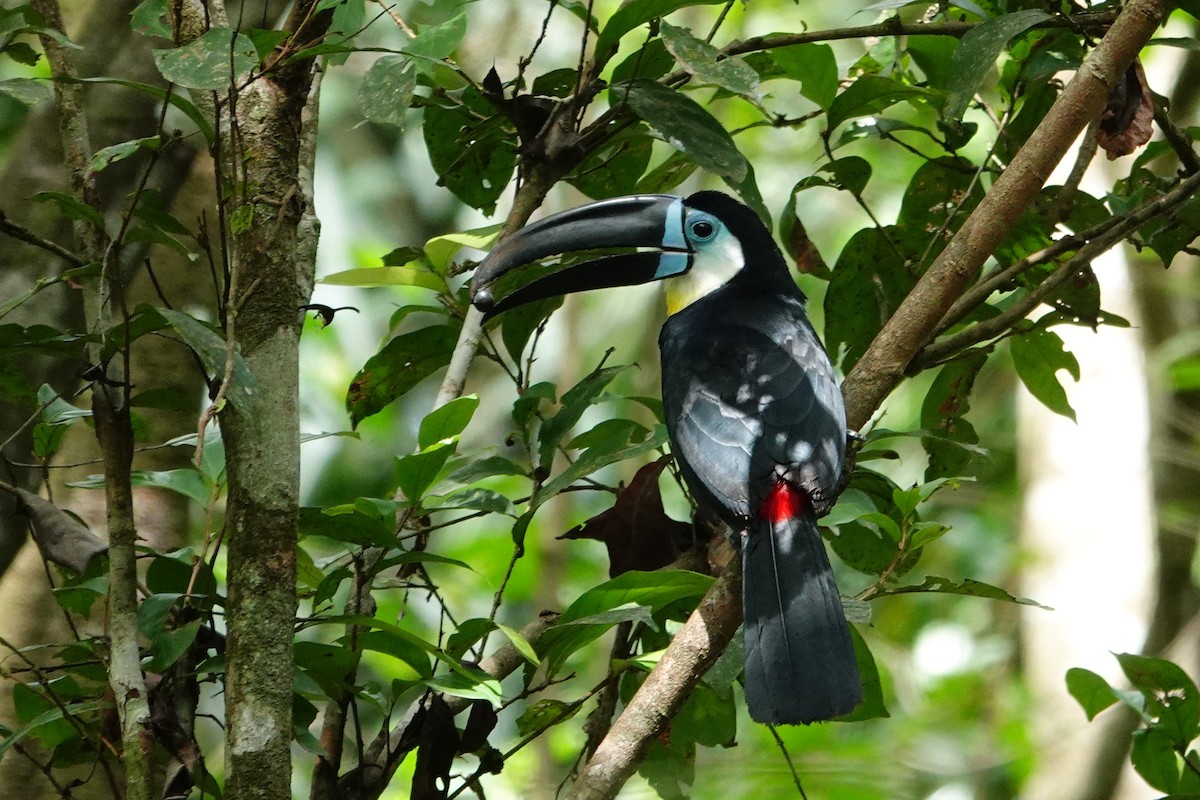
884, 364
1113, 231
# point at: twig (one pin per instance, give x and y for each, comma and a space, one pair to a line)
788, 758
29, 237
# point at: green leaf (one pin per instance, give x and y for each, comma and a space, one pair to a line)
850, 173
705, 62
969, 587
653, 589
629, 596
872, 706
266, 40
386, 91
597, 457
41, 725
416, 472
519, 642
1090, 690
473, 150
814, 66
708, 718
977, 53
55, 410
119, 152
174, 98
440, 249
403, 362
575, 401
944, 410
326, 664
685, 125
484, 468
353, 527
70, 207
543, 714
870, 280
472, 684
168, 646
868, 96
149, 19
479, 500
614, 168
518, 324
385, 276
1171, 696
632, 14
211, 349
447, 421
439, 41
187, 482
28, 91
400, 648
1154, 759
216, 60
1038, 355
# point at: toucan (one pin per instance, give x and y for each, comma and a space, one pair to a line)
753, 411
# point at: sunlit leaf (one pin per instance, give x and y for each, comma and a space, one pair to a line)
214, 61
685, 125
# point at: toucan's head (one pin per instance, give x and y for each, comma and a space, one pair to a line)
696, 244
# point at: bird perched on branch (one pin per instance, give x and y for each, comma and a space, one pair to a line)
752, 408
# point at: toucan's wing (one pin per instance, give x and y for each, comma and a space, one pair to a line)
749, 395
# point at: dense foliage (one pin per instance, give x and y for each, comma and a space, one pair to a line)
426, 548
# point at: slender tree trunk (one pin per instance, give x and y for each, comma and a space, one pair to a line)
272, 275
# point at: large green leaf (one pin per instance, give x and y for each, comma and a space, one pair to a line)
870, 280
814, 66
705, 62
1038, 355
403, 362
386, 91
472, 148
869, 95
977, 53
575, 401
1090, 690
685, 125
212, 350
214, 61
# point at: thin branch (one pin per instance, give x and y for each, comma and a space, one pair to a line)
891, 27
23, 234
999, 324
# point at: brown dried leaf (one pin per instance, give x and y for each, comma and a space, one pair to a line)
1127, 121
636, 531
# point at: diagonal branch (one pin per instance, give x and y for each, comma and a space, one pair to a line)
884, 364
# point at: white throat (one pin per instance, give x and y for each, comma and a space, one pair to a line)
712, 267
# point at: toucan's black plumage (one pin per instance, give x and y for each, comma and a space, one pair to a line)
753, 410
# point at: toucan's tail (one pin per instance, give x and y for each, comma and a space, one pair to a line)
800, 664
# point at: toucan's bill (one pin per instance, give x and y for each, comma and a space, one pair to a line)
650, 221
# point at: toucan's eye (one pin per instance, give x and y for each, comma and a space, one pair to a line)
702, 229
